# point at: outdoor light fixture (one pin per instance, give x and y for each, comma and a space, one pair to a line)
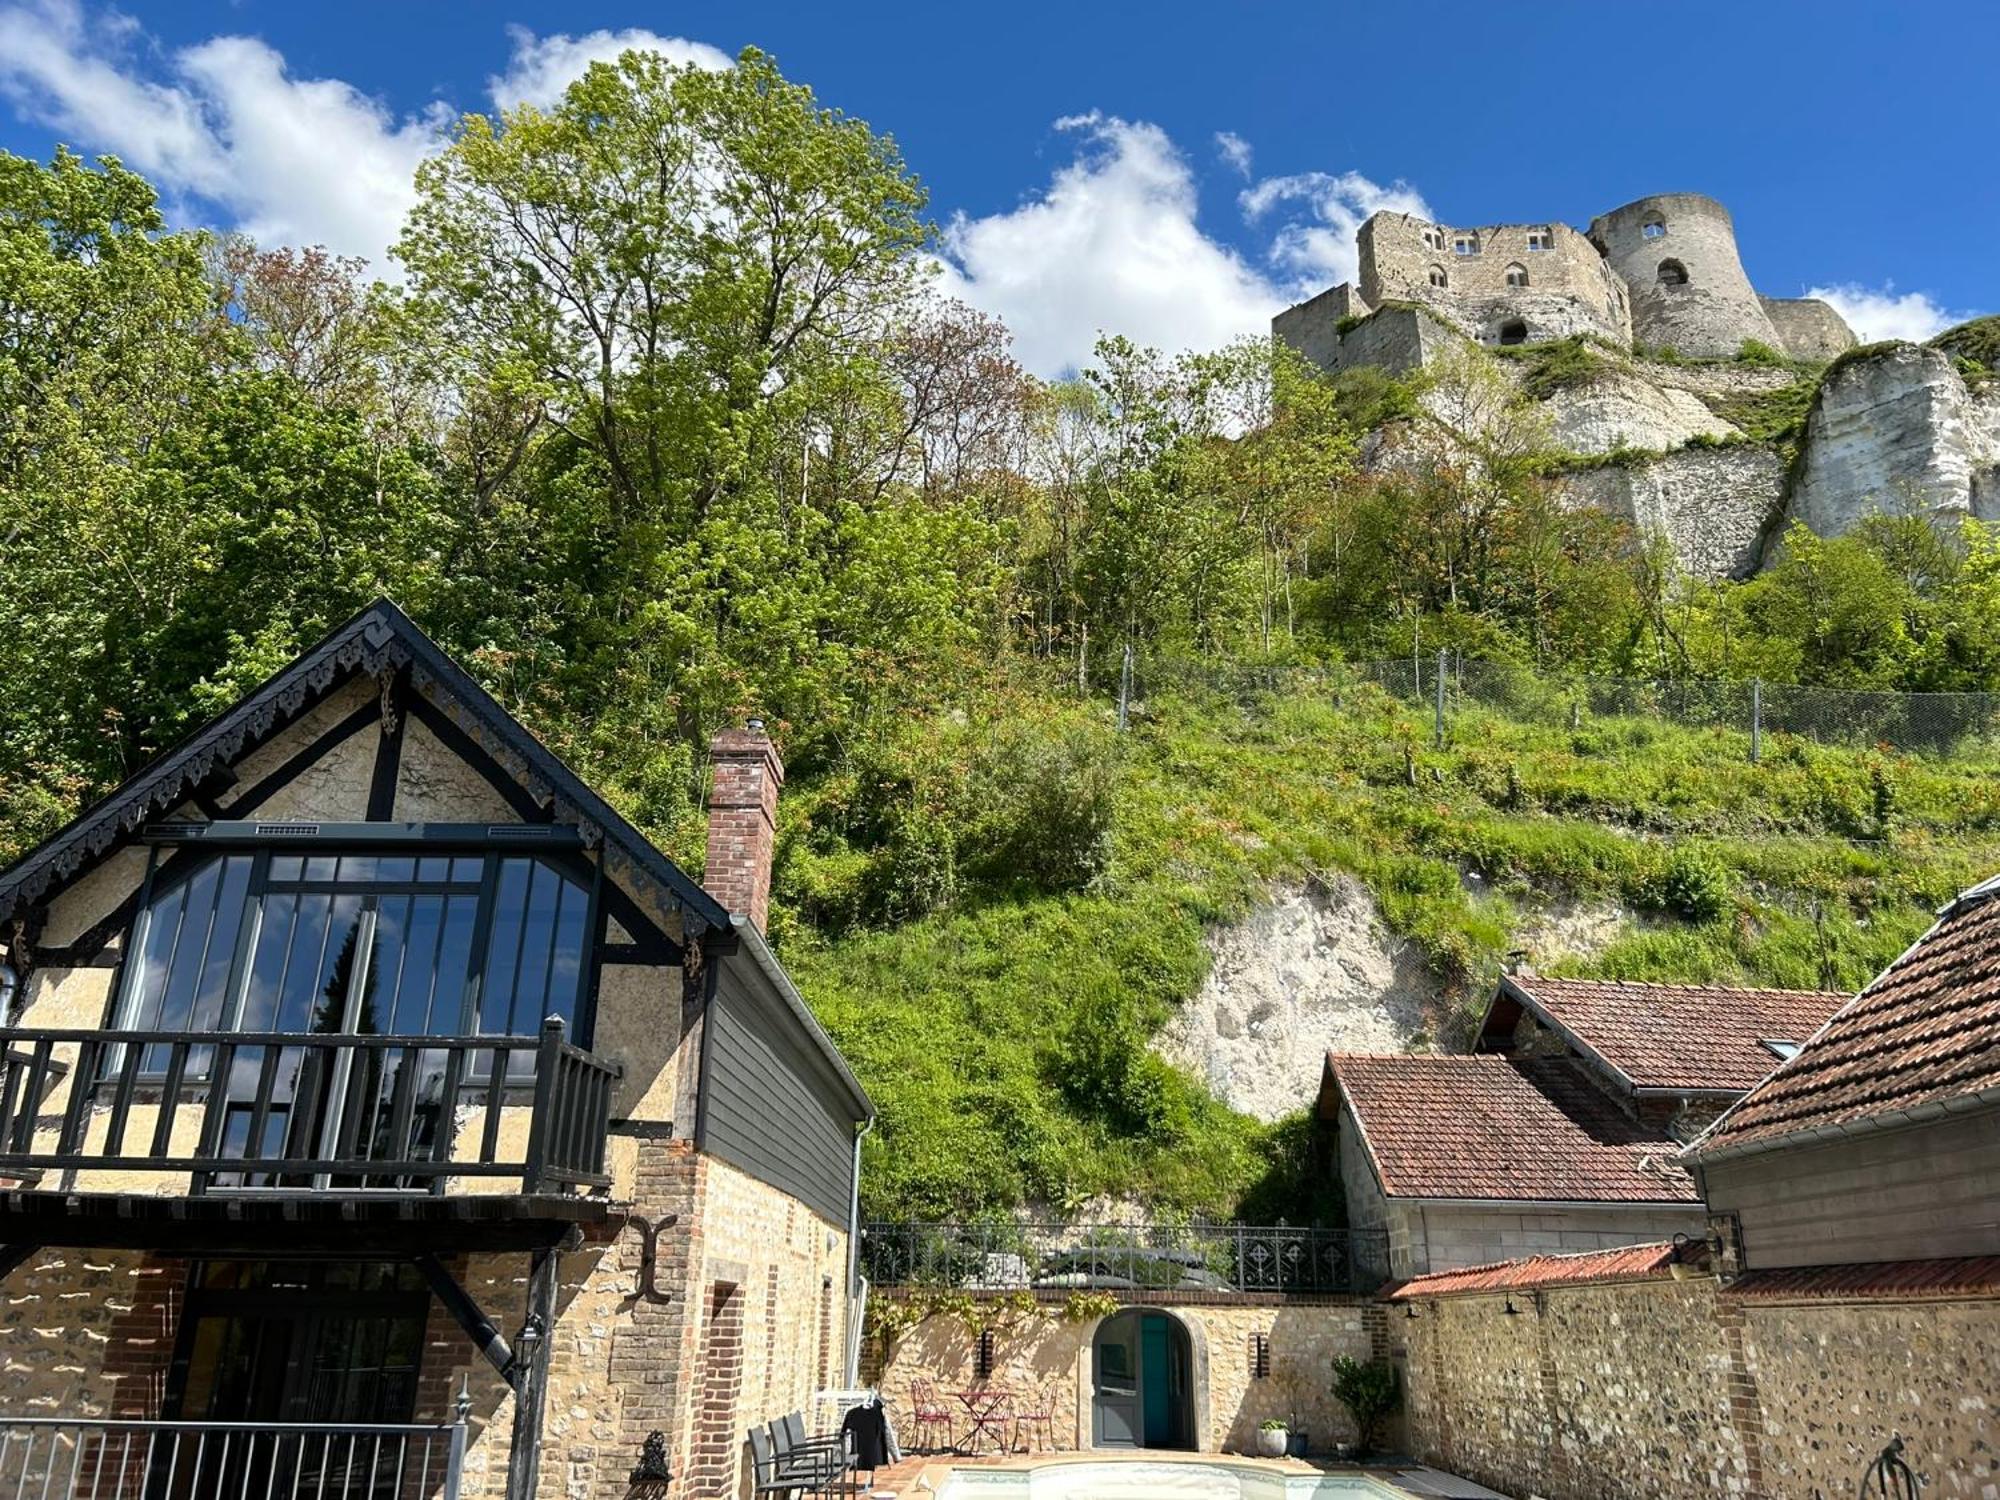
1409, 1309
1510, 1309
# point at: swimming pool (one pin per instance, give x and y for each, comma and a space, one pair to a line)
1138, 1479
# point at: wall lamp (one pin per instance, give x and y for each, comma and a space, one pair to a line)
1510, 1309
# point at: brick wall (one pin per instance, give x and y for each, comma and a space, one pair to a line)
1676, 1390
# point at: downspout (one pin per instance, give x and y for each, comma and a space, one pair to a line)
857, 1290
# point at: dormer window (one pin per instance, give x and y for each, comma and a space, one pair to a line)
1465, 244
1540, 239
1434, 239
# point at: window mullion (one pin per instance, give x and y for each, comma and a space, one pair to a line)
482, 937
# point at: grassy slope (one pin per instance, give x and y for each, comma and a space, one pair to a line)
966, 1024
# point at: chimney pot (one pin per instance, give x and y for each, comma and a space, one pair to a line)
743, 819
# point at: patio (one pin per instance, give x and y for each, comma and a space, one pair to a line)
925, 1476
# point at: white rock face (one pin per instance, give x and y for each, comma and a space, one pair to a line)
1308, 971
1620, 408
1712, 503
1898, 431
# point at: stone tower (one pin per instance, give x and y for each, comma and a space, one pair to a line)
1677, 256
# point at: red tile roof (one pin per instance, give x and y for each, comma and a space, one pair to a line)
1925, 1036
1535, 1129
1978, 1274
1630, 1263
1679, 1036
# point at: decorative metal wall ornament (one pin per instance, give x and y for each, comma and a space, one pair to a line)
1889, 1476
649, 1254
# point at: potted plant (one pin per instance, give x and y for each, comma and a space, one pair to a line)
1271, 1437
1296, 1384
1369, 1392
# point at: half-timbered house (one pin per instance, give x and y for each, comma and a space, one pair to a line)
382, 1115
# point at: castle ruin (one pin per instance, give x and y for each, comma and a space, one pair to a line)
1661, 272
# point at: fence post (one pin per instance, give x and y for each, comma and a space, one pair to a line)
1083, 661
1440, 700
1124, 686
1756, 718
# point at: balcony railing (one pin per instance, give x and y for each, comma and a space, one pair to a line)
60, 1458
1182, 1259
258, 1111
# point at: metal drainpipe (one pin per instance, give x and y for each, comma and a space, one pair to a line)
854, 1262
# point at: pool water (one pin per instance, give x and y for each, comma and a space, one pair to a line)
1137, 1479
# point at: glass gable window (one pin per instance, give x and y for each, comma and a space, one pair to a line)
485, 944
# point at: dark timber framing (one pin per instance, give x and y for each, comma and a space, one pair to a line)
380, 641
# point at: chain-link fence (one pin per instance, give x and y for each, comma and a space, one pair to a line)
1944, 724
1445, 685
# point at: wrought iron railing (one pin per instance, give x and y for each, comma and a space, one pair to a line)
254, 1111
1183, 1259
63, 1458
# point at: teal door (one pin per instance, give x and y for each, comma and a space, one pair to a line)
1143, 1395
1159, 1411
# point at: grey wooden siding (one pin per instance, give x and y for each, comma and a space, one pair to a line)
1445, 1239
769, 1103
1918, 1193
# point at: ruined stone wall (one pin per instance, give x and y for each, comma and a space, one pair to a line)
1047, 1356
1396, 339
1715, 309
1675, 1390
1810, 328
1568, 289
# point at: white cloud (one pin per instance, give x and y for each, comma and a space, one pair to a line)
1319, 251
1233, 149
1876, 313
542, 67
287, 160
1112, 245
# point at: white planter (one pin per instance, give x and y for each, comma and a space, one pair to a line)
1271, 1442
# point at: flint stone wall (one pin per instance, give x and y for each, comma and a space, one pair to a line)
1679, 1390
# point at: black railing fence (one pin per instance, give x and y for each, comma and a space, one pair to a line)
1184, 1259
305, 1111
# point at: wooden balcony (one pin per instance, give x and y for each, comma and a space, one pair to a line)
276, 1125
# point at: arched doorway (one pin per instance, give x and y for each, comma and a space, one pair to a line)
1142, 1364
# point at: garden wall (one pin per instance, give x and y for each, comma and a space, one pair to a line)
1664, 1389
1044, 1351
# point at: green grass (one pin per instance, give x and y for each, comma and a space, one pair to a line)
1005, 1036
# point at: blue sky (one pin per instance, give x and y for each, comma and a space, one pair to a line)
1173, 171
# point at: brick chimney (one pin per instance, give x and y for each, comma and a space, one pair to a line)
743, 819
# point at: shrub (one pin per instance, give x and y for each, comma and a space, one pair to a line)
1042, 806
1691, 884
1370, 1392
1757, 352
